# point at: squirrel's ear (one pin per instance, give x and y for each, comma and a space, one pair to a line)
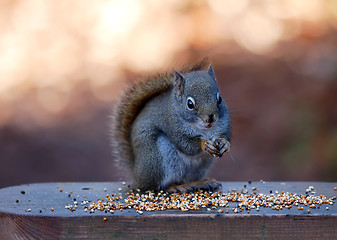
211, 71
179, 82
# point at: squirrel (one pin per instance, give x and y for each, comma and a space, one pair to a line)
167, 130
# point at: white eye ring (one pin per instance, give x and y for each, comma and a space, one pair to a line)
190, 103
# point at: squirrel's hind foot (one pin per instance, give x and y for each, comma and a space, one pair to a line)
206, 185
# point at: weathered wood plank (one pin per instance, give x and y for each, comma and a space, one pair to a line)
41, 222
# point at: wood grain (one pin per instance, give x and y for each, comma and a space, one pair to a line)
43, 223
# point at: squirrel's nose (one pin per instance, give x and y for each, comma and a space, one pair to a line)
210, 119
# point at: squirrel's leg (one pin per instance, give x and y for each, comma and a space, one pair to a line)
206, 185
148, 171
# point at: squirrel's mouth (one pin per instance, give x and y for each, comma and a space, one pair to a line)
204, 125
207, 125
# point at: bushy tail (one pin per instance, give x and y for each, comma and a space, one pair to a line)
125, 112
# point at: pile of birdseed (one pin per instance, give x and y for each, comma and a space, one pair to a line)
160, 201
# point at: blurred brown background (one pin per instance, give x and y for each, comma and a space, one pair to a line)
62, 64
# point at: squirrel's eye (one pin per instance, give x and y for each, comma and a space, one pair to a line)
219, 99
190, 103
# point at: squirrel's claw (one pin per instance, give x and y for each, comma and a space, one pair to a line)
206, 185
223, 145
215, 148
211, 148
184, 188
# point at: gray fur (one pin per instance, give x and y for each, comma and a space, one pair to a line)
165, 136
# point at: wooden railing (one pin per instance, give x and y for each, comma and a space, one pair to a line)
62, 210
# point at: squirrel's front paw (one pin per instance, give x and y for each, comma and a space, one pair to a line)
215, 148
209, 147
223, 145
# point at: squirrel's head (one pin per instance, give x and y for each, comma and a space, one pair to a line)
198, 98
